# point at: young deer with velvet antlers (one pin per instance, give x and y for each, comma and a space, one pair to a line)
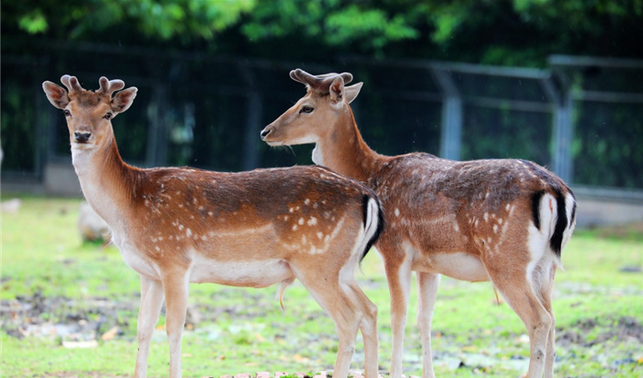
179, 225
500, 220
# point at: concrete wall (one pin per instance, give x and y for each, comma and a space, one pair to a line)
61, 180
594, 212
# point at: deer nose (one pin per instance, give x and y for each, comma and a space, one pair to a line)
82, 136
265, 132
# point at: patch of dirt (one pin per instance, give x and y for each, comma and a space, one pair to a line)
631, 231
37, 315
625, 327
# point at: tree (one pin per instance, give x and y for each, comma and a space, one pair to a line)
510, 32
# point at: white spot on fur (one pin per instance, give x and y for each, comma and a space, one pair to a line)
301, 221
486, 217
397, 212
320, 235
181, 227
495, 228
307, 201
188, 232
312, 221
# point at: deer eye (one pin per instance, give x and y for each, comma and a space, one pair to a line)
108, 116
306, 109
67, 113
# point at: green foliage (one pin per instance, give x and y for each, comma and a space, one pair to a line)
482, 31
333, 23
156, 19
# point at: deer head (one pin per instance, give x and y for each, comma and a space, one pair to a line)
327, 97
89, 113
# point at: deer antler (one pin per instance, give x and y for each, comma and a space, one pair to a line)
107, 87
72, 84
319, 83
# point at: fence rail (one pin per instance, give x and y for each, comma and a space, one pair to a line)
204, 111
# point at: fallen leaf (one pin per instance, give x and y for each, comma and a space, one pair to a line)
109, 334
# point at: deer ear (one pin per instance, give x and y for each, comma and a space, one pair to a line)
336, 90
55, 94
124, 99
352, 91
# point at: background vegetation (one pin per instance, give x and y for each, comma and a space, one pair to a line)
198, 64
505, 32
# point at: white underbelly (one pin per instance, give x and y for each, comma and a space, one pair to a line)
458, 265
240, 273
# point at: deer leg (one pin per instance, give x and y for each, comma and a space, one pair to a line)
399, 282
519, 294
427, 292
148, 315
368, 327
329, 293
175, 286
546, 290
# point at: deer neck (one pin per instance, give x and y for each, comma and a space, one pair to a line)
345, 152
106, 181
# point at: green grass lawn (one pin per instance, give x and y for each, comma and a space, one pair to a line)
58, 280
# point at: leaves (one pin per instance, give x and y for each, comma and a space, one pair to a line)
475, 30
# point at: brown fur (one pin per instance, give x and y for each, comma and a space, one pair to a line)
181, 225
471, 220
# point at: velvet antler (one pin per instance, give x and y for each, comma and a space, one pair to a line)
107, 87
319, 83
72, 84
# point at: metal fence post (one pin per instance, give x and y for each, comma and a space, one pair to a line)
156, 153
563, 136
451, 133
253, 121
252, 129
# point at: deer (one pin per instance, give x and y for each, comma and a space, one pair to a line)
176, 226
503, 220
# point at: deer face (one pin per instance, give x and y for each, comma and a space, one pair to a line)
89, 113
315, 115
305, 122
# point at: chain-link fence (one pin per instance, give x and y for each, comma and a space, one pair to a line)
583, 117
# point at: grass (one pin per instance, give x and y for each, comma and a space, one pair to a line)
599, 313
